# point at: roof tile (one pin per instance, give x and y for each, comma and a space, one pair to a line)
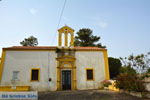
49, 48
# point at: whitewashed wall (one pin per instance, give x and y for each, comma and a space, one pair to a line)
93, 60
24, 61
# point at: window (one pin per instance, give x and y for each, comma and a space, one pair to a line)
15, 75
89, 74
35, 75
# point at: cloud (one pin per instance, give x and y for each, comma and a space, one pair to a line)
101, 21
102, 24
33, 11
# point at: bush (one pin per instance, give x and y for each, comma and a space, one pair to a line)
106, 83
130, 82
127, 69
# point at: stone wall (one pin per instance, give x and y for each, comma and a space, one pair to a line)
147, 83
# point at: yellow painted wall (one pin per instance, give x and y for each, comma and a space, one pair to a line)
106, 65
2, 63
17, 88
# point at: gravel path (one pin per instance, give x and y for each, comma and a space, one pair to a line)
86, 95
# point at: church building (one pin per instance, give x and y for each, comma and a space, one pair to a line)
53, 68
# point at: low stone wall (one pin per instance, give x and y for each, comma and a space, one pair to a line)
147, 83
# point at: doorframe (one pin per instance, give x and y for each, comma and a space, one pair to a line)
70, 77
60, 66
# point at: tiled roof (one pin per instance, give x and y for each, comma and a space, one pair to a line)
89, 48
30, 47
50, 48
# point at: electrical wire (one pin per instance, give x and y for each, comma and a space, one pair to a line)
61, 14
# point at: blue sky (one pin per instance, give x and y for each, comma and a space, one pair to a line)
124, 25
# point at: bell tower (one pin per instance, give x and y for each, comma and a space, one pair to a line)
66, 60
66, 31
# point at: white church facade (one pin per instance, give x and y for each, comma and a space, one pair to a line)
52, 68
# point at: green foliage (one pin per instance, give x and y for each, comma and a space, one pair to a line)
58, 50
127, 69
133, 72
139, 62
145, 75
114, 66
85, 38
148, 70
30, 41
130, 82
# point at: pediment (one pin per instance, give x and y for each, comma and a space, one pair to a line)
66, 28
66, 58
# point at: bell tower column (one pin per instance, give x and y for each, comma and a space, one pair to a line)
66, 39
60, 39
72, 40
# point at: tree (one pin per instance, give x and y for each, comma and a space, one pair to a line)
148, 70
85, 38
140, 62
114, 66
30, 41
128, 70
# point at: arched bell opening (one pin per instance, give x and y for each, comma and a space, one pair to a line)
66, 36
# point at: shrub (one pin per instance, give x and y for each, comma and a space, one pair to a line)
130, 82
106, 83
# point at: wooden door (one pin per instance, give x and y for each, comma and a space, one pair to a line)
66, 79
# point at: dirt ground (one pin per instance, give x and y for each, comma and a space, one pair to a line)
86, 95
